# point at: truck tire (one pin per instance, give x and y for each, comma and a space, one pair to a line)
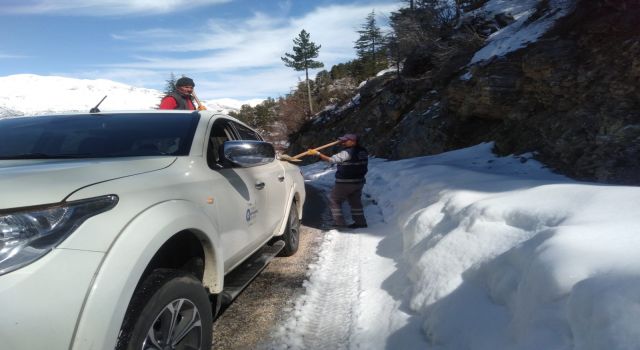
170, 309
291, 235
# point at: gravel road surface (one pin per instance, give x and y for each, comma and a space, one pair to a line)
251, 318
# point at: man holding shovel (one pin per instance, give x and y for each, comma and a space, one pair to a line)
350, 179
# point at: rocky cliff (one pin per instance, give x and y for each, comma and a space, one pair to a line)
571, 97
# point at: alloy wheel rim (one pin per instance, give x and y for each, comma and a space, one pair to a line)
294, 228
177, 326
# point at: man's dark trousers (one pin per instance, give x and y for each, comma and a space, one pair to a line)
352, 193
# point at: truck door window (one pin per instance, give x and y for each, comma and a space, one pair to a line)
221, 131
246, 133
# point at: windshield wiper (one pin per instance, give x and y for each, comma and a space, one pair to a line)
47, 156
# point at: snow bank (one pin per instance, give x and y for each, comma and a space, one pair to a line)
505, 254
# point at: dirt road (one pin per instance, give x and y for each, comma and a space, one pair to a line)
250, 319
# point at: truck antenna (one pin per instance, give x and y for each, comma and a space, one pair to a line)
95, 109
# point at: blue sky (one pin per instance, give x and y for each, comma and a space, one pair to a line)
231, 48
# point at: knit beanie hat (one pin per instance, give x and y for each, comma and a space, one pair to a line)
184, 81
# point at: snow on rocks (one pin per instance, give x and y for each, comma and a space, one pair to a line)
523, 30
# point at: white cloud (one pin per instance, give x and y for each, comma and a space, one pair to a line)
262, 84
146, 35
133, 77
104, 7
9, 56
237, 84
240, 58
258, 41
335, 27
285, 5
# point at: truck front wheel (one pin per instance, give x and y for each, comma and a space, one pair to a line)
291, 235
169, 310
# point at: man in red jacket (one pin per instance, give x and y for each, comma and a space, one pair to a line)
181, 98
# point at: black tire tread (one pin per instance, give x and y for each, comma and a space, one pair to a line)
290, 248
144, 295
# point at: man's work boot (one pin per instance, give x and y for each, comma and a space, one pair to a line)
354, 225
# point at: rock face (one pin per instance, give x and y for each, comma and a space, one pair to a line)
572, 98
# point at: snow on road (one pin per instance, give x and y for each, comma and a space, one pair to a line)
328, 312
351, 300
356, 296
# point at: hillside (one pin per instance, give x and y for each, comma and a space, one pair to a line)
556, 78
27, 94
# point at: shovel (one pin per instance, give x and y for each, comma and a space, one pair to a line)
201, 107
297, 157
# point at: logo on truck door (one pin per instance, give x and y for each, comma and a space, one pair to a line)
250, 214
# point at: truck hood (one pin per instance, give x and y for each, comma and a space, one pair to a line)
36, 182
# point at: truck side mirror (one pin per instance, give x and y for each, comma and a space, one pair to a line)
247, 153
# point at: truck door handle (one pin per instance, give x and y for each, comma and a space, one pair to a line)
281, 178
260, 185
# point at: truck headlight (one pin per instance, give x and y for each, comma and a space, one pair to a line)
28, 234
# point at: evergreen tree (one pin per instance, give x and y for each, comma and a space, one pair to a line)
370, 44
304, 51
170, 86
445, 12
265, 113
393, 46
411, 4
259, 117
323, 80
245, 114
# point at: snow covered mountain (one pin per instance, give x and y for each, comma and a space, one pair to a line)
26, 94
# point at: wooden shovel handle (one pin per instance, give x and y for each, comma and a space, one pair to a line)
317, 149
201, 107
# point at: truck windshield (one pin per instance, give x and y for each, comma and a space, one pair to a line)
97, 136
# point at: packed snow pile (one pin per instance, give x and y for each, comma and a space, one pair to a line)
500, 253
507, 255
28, 94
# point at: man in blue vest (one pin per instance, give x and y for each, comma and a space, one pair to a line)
181, 98
350, 179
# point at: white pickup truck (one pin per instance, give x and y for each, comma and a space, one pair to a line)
121, 230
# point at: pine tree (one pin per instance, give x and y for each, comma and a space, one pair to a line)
411, 4
170, 86
304, 51
260, 117
370, 45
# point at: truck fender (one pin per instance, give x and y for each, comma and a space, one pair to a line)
292, 196
125, 261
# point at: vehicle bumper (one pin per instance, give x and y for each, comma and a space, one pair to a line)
40, 302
